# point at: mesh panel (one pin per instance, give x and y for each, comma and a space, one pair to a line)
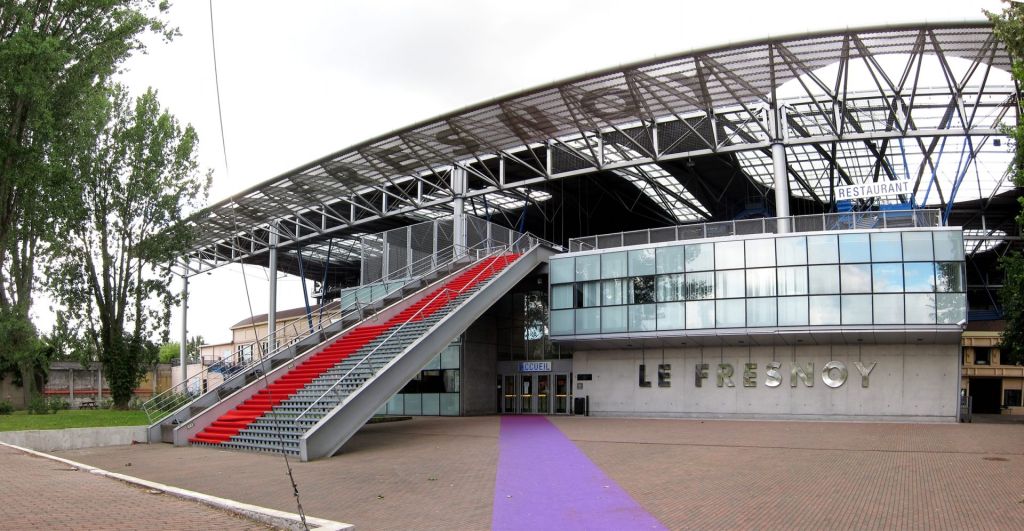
372, 258
663, 234
608, 241
749, 226
398, 253
808, 223
638, 237
691, 232
476, 231
724, 228
421, 241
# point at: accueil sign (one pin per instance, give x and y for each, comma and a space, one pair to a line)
879, 189
833, 374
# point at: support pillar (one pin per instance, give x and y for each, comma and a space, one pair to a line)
459, 209
99, 384
272, 304
183, 346
71, 386
781, 186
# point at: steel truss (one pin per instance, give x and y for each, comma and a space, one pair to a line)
851, 106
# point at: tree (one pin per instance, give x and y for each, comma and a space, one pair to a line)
132, 190
172, 351
1009, 28
54, 60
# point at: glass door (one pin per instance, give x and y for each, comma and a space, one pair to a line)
526, 393
544, 394
508, 389
561, 394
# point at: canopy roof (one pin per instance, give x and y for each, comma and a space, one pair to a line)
689, 133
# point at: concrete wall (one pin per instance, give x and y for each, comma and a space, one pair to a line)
909, 382
479, 374
11, 393
74, 438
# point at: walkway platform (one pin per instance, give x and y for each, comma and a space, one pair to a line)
441, 473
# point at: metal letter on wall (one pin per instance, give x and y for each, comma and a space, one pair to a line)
725, 372
664, 375
700, 374
834, 374
807, 376
644, 382
864, 371
749, 375
773, 377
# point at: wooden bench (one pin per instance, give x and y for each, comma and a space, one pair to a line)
87, 404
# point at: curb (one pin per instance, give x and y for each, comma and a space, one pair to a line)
273, 517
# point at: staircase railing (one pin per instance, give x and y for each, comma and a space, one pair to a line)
181, 394
523, 242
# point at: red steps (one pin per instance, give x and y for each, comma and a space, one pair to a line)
234, 421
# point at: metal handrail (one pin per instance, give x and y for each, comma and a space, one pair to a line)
444, 291
165, 403
830, 221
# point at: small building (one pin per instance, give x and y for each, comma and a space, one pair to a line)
994, 385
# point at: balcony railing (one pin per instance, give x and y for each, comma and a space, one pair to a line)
885, 219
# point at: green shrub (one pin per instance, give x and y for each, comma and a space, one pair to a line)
56, 404
39, 405
6, 408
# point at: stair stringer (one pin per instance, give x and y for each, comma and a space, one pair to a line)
328, 435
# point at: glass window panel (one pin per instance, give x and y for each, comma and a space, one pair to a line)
431, 404
588, 267
792, 251
792, 311
761, 312
670, 259
761, 282
700, 314
396, 404
729, 284
450, 404
855, 278
588, 321
760, 253
729, 255
822, 249
561, 296
671, 316
613, 265
919, 276
856, 309
823, 279
700, 257
413, 404
951, 307
917, 245
641, 262
588, 294
854, 248
730, 314
562, 271
886, 247
792, 280
613, 291
700, 286
920, 308
888, 309
614, 319
949, 245
562, 322
824, 310
450, 357
642, 317
887, 278
434, 364
641, 290
671, 288
948, 277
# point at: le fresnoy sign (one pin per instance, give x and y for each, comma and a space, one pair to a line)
833, 374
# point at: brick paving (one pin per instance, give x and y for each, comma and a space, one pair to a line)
38, 493
439, 473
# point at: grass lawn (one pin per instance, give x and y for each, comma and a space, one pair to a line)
78, 418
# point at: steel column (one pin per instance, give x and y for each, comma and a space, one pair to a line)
781, 186
459, 209
183, 346
272, 303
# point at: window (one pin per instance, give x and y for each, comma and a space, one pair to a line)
641, 262
613, 319
561, 296
562, 271
949, 245
854, 248
670, 316
642, 290
760, 253
855, 278
671, 288
948, 277
761, 312
588, 267
886, 247
856, 309
700, 257
982, 355
887, 278
792, 280
823, 279
822, 250
920, 308
642, 317
792, 251
613, 265
888, 309
700, 286
613, 292
824, 310
917, 246
919, 276
729, 284
588, 294
761, 282
588, 321
670, 259
950, 308
700, 314
728, 255
1011, 397
792, 311
561, 322
730, 314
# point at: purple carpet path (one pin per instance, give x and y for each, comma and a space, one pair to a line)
545, 482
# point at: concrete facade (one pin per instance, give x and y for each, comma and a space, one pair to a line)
479, 370
908, 382
74, 438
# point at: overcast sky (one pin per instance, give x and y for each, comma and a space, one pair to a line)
302, 79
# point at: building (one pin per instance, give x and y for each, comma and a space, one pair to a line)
796, 227
993, 383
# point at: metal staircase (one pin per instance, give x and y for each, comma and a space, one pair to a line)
314, 404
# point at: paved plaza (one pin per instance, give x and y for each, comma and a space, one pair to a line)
440, 473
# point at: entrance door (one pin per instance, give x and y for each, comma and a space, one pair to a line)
561, 394
527, 393
544, 394
986, 393
510, 397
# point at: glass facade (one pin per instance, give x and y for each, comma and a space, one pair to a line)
434, 391
883, 277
